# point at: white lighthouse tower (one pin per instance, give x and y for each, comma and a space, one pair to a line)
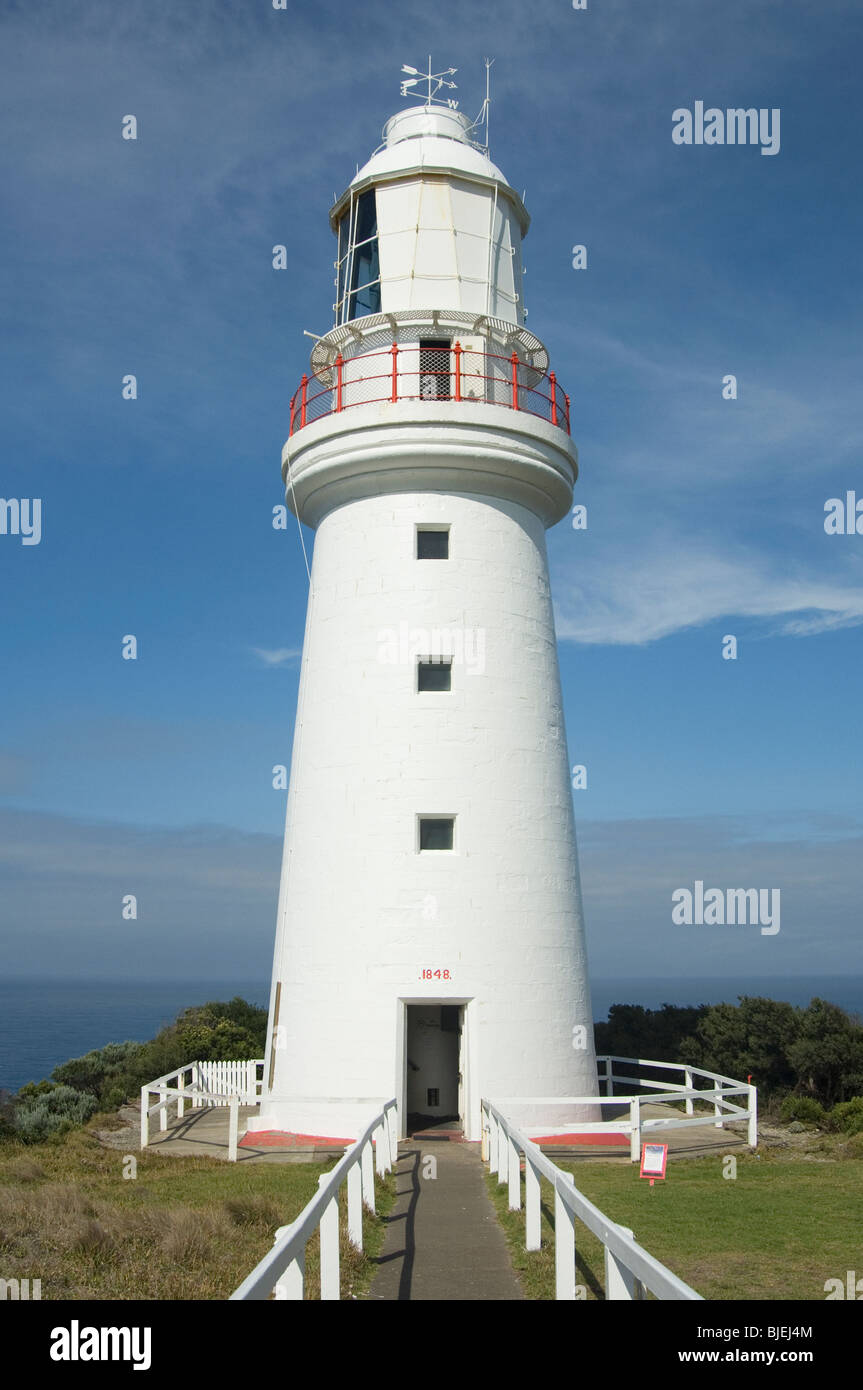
430, 942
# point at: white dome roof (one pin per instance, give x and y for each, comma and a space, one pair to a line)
436, 138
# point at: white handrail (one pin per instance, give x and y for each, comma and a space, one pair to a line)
283, 1269
198, 1094
662, 1092
629, 1268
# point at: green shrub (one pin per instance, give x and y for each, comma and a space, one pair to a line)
36, 1088
847, 1116
112, 1097
52, 1112
802, 1108
100, 1070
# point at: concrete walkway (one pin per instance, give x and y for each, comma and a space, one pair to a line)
443, 1239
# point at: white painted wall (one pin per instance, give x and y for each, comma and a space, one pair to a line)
361, 912
434, 235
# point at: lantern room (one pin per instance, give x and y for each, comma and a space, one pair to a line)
429, 221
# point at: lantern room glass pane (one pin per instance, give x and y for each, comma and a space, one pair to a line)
359, 262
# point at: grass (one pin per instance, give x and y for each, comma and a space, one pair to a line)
183, 1228
779, 1230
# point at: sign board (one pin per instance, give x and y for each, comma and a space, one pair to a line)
653, 1160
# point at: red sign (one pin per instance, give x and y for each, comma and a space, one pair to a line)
653, 1160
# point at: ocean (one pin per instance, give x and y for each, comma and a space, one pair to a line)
45, 1022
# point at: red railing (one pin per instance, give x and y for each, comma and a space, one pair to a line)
441, 374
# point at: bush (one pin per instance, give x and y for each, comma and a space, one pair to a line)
35, 1088
847, 1116
99, 1071
816, 1051
802, 1108
52, 1112
112, 1097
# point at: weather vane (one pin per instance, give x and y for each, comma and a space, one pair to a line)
439, 79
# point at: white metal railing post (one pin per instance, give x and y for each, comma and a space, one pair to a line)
484, 1135
367, 1165
717, 1108
687, 1074
145, 1118
609, 1077
752, 1136
620, 1282
392, 1118
233, 1129
533, 1214
380, 1158
514, 1175
291, 1284
355, 1203
564, 1245
384, 1142
329, 1228
502, 1154
492, 1143
163, 1113
196, 1085
635, 1129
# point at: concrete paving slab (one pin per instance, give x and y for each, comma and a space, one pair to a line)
443, 1239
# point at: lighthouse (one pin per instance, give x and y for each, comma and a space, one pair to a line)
430, 940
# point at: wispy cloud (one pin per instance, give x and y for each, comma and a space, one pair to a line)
278, 656
648, 590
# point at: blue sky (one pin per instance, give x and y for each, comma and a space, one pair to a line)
705, 516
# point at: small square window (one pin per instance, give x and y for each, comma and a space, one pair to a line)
433, 1095
434, 675
437, 832
432, 543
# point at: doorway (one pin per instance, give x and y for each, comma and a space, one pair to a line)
434, 369
434, 1090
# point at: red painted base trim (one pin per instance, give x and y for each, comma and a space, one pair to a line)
281, 1139
572, 1140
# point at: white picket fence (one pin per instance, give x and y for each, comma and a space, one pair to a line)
629, 1268
204, 1083
282, 1271
225, 1079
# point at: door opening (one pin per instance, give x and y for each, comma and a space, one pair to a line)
433, 1058
434, 369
